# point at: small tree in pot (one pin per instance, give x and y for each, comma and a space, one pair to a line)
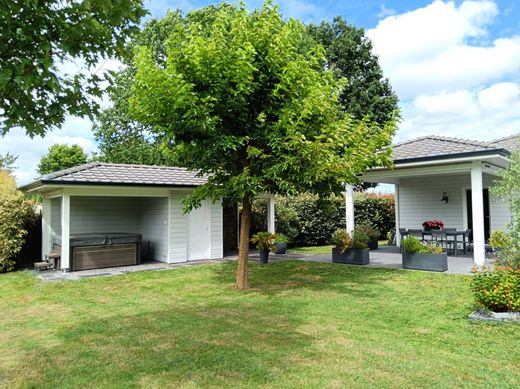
421, 256
280, 243
264, 242
350, 249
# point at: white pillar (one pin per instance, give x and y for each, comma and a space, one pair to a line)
397, 224
65, 231
46, 227
349, 208
477, 206
271, 215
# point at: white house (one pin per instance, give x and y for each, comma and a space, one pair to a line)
100, 215
448, 179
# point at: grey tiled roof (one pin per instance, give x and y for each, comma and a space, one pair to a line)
509, 143
120, 174
438, 146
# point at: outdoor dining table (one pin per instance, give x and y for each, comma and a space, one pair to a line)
455, 234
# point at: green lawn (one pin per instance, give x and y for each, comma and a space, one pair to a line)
327, 249
301, 325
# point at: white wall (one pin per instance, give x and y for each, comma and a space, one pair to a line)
178, 241
56, 216
104, 214
147, 216
153, 224
420, 200
161, 221
178, 229
217, 230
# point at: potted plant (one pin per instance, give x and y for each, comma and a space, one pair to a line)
350, 249
264, 242
497, 288
372, 233
280, 243
421, 256
429, 225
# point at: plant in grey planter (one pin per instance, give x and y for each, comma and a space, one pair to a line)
421, 256
264, 242
372, 233
353, 249
280, 243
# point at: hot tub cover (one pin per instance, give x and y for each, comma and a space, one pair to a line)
97, 239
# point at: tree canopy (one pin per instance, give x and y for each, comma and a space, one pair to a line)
349, 55
246, 99
7, 162
37, 36
61, 157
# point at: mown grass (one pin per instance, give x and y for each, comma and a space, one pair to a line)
300, 325
317, 250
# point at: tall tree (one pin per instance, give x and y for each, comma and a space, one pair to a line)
349, 55
247, 100
7, 162
120, 137
37, 36
61, 157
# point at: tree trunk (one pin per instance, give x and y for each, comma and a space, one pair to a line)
243, 249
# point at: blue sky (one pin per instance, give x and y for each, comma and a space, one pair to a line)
455, 66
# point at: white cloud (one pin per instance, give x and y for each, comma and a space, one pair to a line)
482, 113
384, 12
29, 151
443, 46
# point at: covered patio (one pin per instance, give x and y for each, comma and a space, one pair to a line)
447, 179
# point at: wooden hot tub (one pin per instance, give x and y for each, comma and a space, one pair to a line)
100, 250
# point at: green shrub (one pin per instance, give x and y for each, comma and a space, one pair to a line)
281, 238
342, 240
368, 229
308, 220
413, 245
497, 289
15, 212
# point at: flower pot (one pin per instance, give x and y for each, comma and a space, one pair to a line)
425, 261
281, 247
351, 256
264, 256
373, 244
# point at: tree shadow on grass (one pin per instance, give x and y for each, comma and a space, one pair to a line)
218, 344
278, 277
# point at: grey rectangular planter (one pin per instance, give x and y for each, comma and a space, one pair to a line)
425, 261
351, 256
373, 244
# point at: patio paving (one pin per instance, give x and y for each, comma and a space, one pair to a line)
390, 257
385, 257
57, 275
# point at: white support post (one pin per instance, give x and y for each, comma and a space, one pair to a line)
349, 208
65, 231
46, 227
271, 215
397, 224
477, 206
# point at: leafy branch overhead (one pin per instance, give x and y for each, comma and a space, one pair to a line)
37, 37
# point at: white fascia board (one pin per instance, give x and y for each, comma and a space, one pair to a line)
110, 191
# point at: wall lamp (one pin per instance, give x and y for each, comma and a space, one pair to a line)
444, 197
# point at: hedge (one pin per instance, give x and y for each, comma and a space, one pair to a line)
15, 212
308, 220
